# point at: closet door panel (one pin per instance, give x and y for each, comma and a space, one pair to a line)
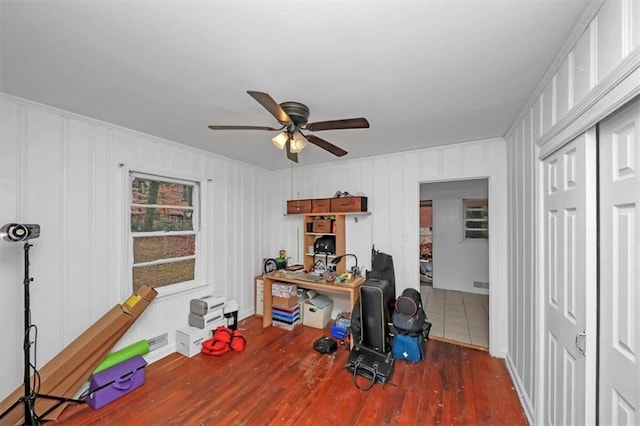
619, 374
568, 197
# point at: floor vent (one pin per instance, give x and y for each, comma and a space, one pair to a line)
480, 284
158, 341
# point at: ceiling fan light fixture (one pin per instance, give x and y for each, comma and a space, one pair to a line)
280, 140
294, 117
298, 142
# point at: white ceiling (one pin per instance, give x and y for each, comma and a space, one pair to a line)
424, 73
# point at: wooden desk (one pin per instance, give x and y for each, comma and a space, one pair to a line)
350, 288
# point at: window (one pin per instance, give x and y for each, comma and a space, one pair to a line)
164, 230
476, 218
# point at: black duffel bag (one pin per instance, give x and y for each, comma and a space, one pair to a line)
375, 366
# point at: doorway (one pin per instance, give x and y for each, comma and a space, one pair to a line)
454, 260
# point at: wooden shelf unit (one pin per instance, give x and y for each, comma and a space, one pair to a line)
310, 238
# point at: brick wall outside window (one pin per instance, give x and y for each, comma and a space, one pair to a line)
426, 216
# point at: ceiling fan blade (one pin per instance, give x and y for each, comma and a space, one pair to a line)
270, 105
233, 127
337, 151
348, 123
293, 156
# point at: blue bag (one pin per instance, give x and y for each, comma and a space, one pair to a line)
408, 347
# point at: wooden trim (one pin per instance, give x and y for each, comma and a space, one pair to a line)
584, 22
616, 90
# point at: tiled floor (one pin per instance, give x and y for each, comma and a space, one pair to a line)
458, 316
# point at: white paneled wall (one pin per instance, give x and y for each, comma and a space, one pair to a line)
64, 172
392, 185
596, 71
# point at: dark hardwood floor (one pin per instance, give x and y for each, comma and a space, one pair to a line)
279, 379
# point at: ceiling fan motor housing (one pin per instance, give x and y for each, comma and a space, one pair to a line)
299, 113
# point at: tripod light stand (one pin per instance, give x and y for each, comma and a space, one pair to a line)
19, 232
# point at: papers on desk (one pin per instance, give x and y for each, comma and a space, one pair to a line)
294, 269
305, 276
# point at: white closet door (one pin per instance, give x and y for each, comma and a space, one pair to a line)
569, 274
619, 373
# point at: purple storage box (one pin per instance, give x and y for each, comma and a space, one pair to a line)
114, 382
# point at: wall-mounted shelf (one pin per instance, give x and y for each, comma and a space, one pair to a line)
329, 214
476, 218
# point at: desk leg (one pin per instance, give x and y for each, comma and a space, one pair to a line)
267, 301
352, 298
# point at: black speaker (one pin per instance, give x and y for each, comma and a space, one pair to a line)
409, 302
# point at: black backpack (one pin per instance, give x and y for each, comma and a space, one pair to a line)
408, 315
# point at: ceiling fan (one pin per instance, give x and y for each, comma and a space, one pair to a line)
293, 117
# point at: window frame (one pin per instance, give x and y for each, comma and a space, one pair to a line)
199, 226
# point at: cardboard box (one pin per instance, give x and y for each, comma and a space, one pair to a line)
298, 206
316, 317
320, 205
116, 381
349, 204
321, 225
138, 302
286, 302
189, 339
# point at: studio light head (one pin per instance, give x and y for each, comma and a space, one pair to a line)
19, 231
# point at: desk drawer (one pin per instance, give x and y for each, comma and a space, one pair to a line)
259, 295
